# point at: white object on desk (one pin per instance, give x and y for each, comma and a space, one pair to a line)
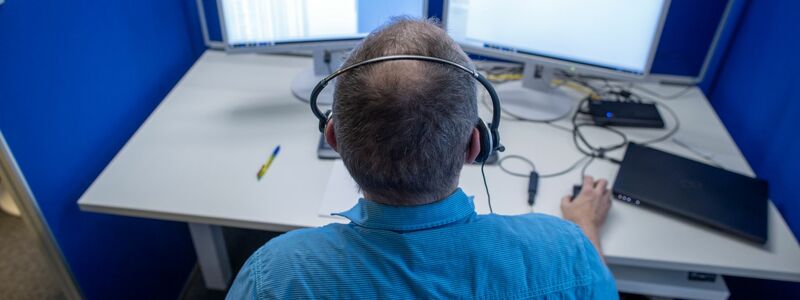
342, 192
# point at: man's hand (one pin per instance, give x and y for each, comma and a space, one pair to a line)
589, 209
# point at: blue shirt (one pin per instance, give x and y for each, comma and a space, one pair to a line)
438, 250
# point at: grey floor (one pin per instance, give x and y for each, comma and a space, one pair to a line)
23, 272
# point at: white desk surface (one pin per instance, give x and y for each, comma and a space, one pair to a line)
195, 160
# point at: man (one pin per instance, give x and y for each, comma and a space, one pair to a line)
404, 130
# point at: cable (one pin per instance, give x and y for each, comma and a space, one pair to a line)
486, 186
565, 171
586, 166
522, 158
533, 166
559, 127
708, 157
623, 94
500, 74
677, 95
594, 151
508, 117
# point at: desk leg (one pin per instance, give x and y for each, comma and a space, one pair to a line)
212, 256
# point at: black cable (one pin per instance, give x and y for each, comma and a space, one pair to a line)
580, 141
486, 186
623, 94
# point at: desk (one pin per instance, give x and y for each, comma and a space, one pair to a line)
195, 159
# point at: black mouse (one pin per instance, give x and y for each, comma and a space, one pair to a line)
576, 189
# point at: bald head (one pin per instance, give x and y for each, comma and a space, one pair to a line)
402, 127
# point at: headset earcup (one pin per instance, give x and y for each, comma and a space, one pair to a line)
324, 123
485, 140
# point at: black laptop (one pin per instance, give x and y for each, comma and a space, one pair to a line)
728, 201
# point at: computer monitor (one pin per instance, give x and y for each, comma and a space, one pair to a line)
327, 28
693, 31
610, 38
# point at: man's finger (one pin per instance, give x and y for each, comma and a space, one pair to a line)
600, 186
588, 184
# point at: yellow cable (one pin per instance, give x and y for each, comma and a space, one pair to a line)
577, 87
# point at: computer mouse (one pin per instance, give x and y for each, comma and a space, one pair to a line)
576, 189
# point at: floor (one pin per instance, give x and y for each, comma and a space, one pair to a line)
240, 244
23, 272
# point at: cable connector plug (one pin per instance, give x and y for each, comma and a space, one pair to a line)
533, 187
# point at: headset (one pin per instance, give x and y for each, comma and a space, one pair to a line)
489, 134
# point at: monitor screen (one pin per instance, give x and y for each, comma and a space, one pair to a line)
613, 34
263, 23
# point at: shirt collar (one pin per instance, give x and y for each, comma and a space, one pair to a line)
375, 215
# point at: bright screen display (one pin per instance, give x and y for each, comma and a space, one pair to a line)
253, 23
614, 34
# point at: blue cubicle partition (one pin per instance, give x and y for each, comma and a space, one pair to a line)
77, 78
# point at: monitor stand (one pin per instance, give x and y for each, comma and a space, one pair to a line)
534, 98
326, 61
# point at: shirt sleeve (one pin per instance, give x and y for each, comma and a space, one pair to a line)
244, 286
603, 285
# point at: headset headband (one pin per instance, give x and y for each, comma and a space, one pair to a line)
493, 126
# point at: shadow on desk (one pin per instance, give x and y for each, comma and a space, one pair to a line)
264, 109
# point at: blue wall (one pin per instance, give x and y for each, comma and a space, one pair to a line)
757, 95
77, 78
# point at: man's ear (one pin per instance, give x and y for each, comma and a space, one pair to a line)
330, 136
474, 146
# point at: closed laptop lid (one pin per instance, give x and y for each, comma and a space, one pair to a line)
726, 200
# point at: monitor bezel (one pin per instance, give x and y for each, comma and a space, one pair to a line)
330, 44
582, 68
715, 42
